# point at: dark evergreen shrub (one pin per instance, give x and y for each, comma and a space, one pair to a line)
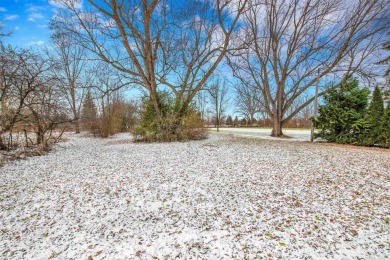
341, 117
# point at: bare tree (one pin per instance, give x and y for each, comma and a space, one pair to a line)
176, 45
21, 74
385, 86
2, 33
201, 102
46, 109
218, 91
108, 86
106, 82
73, 71
289, 40
247, 102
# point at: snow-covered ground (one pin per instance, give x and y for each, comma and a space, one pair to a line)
221, 198
264, 133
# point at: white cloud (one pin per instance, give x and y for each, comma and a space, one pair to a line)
2, 9
17, 28
36, 43
34, 8
34, 16
11, 17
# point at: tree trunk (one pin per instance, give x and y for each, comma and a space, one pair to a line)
2, 145
277, 126
40, 136
77, 125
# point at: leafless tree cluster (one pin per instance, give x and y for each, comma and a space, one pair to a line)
288, 41
274, 47
73, 73
116, 113
30, 96
159, 44
42, 93
248, 102
219, 99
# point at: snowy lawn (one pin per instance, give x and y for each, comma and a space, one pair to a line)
225, 197
264, 133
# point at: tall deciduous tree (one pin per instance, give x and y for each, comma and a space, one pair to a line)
159, 44
247, 102
288, 41
73, 71
386, 62
218, 93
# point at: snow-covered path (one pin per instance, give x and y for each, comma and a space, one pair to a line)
224, 197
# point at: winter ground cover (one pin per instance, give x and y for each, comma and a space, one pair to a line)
224, 197
264, 133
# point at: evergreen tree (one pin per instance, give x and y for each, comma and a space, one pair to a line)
229, 120
341, 118
244, 122
373, 118
89, 113
385, 128
235, 122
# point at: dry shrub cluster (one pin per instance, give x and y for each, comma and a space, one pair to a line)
171, 125
116, 116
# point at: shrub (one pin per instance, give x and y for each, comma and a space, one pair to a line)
171, 125
341, 118
118, 115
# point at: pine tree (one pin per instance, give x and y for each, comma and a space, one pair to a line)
341, 118
235, 122
373, 118
229, 120
89, 113
385, 128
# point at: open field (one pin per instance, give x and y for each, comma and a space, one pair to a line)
264, 133
224, 197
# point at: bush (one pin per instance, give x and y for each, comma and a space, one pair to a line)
171, 125
341, 118
117, 116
